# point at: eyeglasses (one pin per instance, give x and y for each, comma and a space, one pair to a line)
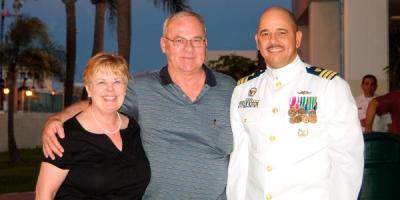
180, 42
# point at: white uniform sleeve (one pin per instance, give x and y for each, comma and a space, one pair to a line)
346, 142
238, 164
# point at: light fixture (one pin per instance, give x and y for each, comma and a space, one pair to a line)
395, 18
6, 91
28, 93
53, 92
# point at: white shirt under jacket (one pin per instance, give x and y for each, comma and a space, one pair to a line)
279, 160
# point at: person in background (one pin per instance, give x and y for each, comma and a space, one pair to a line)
369, 85
295, 126
385, 104
183, 112
103, 153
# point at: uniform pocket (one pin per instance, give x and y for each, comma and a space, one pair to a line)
250, 120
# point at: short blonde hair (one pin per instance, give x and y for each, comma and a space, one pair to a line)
114, 64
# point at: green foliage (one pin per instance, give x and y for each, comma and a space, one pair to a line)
29, 46
233, 65
21, 176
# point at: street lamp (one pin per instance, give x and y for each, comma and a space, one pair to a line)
3, 14
53, 95
6, 91
1, 90
28, 94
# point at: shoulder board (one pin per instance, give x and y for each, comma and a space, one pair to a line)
249, 77
324, 73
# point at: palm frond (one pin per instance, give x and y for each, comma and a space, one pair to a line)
172, 6
111, 6
31, 49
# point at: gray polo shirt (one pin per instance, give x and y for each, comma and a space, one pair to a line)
187, 143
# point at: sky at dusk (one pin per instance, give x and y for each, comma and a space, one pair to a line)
231, 25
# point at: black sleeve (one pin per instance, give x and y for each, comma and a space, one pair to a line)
64, 161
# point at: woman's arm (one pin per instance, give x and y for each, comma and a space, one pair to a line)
49, 180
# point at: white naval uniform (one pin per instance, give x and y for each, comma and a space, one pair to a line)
275, 159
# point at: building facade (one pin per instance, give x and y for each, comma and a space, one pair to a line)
347, 36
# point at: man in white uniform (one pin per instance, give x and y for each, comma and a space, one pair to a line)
296, 131
368, 85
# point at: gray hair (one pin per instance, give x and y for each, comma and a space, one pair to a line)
172, 17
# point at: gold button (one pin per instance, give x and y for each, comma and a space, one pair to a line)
269, 168
274, 110
268, 197
278, 84
272, 138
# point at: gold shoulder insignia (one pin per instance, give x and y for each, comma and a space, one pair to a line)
324, 73
249, 77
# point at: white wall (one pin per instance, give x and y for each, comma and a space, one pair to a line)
27, 127
304, 50
366, 42
324, 34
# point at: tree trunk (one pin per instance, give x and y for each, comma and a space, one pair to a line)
98, 35
12, 145
124, 28
71, 51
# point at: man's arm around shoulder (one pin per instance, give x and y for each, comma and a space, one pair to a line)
54, 126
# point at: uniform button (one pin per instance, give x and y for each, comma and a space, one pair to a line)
278, 84
274, 110
268, 197
272, 138
245, 120
269, 168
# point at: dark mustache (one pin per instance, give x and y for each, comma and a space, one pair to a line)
273, 46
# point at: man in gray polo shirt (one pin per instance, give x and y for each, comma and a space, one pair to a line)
183, 112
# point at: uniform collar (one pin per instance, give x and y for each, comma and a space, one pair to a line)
165, 78
367, 98
285, 74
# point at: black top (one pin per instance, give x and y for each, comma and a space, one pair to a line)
98, 169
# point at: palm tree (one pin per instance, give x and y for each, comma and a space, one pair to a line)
124, 21
71, 51
122, 9
124, 28
28, 46
172, 6
98, 35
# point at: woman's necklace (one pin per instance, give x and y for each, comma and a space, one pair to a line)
102, 128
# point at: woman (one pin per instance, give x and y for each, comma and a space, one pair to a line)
104, 156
